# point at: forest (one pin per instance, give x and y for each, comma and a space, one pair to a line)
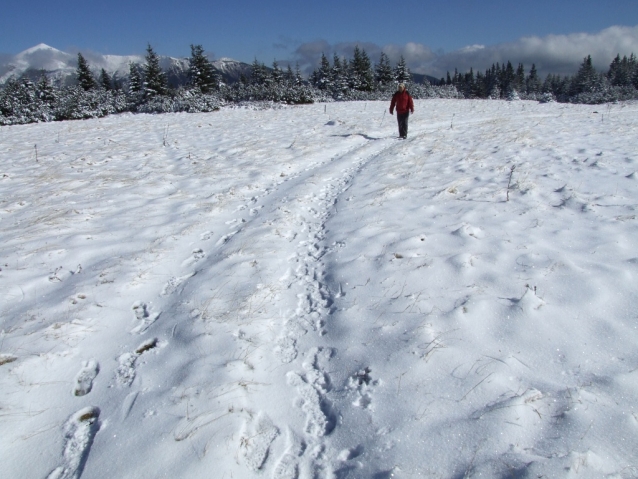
146, 89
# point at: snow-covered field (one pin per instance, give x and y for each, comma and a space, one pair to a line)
295, 293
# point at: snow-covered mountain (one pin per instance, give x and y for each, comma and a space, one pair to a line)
60, 66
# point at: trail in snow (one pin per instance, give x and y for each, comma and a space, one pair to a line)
296, 294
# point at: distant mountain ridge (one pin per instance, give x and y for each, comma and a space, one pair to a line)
61, 66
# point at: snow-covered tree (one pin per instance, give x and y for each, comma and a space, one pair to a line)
105, 80
83, 72
402, 72
586, 80
322, 77
383, 71
45, 90
135, 83
155, 83
622, 72
276, 74
298, 77
201, 73
259, 73
362, 77
533, 82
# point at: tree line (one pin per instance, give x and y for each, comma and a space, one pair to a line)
147, 90
620, 82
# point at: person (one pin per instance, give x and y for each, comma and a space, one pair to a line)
404, 105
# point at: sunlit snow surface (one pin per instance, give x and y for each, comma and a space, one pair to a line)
295, 293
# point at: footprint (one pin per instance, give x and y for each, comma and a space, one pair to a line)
79, 432
86, 376
286, 349
207, 235
311, 388
224, 239
255, 441
362, 384
197, 255
288, 465
144, 316
125, 372
7, 358
173, 283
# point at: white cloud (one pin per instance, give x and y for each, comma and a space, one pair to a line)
559, 54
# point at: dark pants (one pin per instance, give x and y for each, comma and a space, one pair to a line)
402, 119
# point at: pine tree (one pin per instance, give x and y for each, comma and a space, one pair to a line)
201, 73
289, 75
321, 76
258, 73
362, 77
83, 72
586, 80
155, 83
277, 74
519, 78
105, 80
45, 90
402, 72
533, 83
383, 71
508, 78
633, 68
339, 75
298, 78
135, 83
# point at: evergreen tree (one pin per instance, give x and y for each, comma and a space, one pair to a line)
339, 75
383, 71
507, 79
135, 83
533, 83
289, 75
402, 72
258, 74
105, 80
155, 83
45, 90
519, 78
362, 77
322, 76
277, 74
298, 78
83, 72
586, 80
201, 73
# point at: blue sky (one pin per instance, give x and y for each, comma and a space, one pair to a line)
428, 32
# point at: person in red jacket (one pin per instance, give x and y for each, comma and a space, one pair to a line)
404, 105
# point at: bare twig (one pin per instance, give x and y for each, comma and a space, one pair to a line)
509, 182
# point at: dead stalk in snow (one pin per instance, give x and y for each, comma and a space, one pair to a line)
509, 182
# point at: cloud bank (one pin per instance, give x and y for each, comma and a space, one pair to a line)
558, 54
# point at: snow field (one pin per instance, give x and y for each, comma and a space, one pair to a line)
295, 293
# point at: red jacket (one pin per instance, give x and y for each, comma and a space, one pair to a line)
403, 101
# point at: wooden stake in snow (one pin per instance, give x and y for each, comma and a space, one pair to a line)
509, 182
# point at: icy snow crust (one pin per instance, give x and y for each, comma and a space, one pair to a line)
295, 293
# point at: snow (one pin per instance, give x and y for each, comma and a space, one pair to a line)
295, 293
